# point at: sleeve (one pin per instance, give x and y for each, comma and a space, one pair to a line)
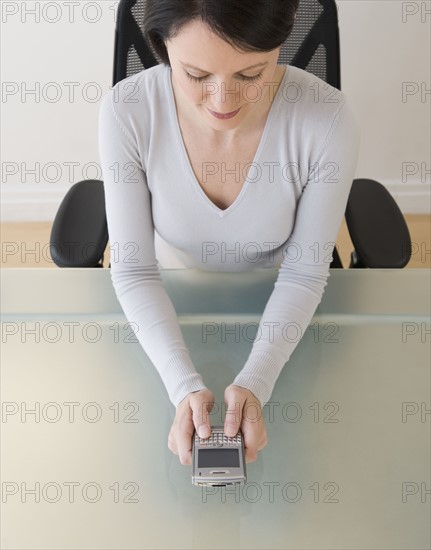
304, 271
134, 271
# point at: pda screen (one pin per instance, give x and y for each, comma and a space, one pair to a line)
218, 458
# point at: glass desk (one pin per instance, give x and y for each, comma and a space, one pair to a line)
85, 417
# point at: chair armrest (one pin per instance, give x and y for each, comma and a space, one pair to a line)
377, 226
79, 234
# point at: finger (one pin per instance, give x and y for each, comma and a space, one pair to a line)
254, 440
263, 442
251, 449
250, 457
172, 444
184, 440
201, 421
233, 416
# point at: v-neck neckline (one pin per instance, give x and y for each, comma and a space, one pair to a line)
268, 123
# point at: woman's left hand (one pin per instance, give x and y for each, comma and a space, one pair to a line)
244, 411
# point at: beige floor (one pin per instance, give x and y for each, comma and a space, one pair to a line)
27, 244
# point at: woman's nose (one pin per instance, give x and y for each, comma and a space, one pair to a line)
222, 96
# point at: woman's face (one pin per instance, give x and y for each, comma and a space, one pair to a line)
229, 80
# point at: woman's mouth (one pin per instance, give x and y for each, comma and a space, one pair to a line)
224, 116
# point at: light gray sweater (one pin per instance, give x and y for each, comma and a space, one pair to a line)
287, 215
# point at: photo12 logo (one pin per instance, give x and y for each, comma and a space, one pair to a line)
415, 11
68, 491
52, 12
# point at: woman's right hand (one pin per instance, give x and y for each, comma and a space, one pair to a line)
192, 412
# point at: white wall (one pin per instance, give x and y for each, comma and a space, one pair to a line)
57, 140
385, 48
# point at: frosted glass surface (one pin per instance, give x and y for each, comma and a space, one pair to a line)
347, 463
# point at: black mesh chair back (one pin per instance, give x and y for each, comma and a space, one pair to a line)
313, 44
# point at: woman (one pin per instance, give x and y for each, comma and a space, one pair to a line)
220, 159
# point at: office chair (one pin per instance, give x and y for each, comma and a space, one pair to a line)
377, 228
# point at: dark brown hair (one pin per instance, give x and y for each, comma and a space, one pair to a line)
247, 25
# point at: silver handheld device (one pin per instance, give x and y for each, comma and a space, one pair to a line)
218, 460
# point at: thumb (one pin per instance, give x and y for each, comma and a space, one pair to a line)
201, 418
233, 414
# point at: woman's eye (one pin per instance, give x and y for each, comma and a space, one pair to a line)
201, 78
252, 77
195, 78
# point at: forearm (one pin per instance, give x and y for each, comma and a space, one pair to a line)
150, 311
